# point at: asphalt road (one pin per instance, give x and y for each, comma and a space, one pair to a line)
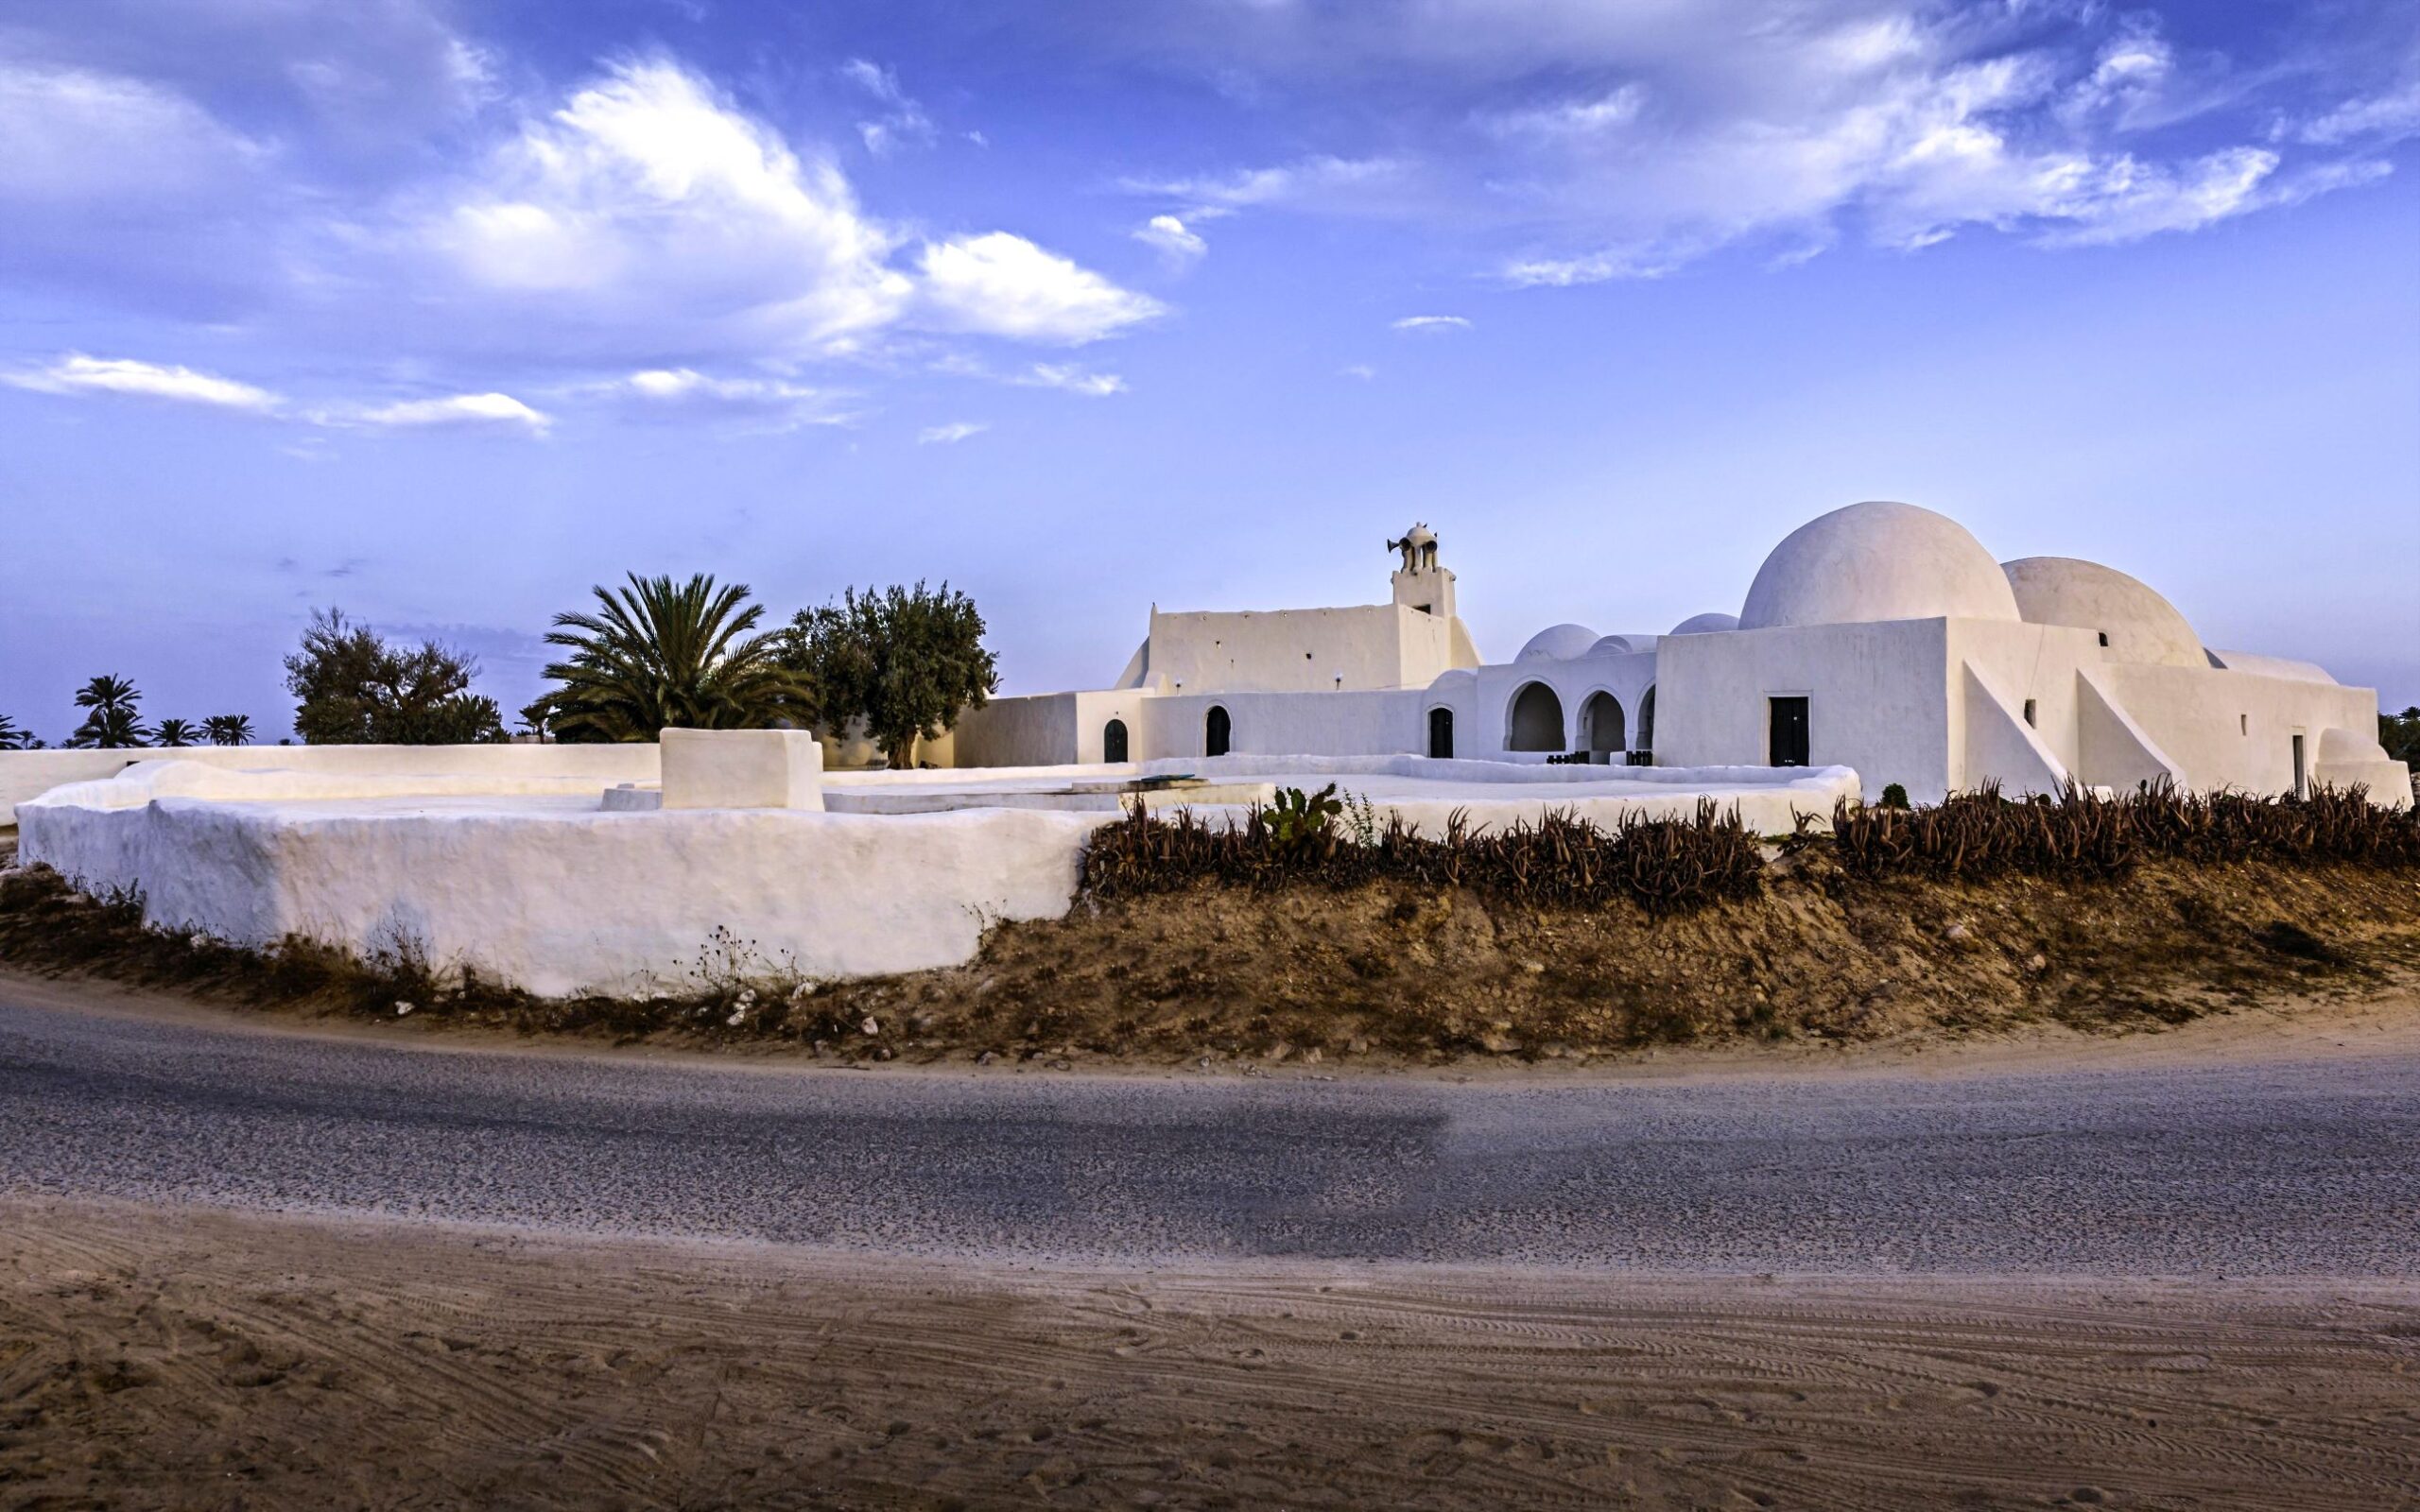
2292, 1168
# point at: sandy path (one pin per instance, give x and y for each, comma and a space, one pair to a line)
208, 1359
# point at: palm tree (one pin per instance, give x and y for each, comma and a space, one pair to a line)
174, 732
110, 722
659, 655
228, 729
12, 738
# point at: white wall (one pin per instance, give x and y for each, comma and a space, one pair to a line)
1879, 700
1300, 650
1494, 688
2231, 729
28, 774
1036, 730
1289, 724
558, 897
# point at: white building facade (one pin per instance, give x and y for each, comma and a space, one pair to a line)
1880, 637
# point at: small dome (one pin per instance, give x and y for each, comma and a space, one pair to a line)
1707, 624
1877, 561
1558, 643
2141, 625
1453, 679
1619, 644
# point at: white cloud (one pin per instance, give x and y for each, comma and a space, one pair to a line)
1626, 141
1002, 284
78, 373
1357, 369
648, 200
685, 390
1325, 180
1176, 241
1074, 380
1572, 118
450, 410
904, 125
2382, 118
1433, 322
951, 434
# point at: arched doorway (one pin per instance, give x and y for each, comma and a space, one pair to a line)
1217, 731
1441, 732
1537, 719
1603, 728
1113, 741
1647, 719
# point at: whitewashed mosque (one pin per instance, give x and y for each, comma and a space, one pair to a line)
1880, 637
1877, 644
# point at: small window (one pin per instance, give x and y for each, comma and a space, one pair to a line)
2104, 637
2029, 713
2244, 724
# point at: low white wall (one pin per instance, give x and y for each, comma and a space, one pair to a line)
558, 897
27, 774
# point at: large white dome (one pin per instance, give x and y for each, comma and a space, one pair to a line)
2141, 625
1877, 561
1558, 643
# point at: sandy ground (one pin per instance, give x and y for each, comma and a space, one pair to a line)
181, 1358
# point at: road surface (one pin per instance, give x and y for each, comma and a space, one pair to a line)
2283, 1168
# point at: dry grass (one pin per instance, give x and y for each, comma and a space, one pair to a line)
1408, 971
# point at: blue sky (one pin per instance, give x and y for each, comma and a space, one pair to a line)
444, 312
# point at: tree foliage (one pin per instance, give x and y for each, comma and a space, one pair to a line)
12, 738
2400, 735
905, 659
659, 654
353, 688
112, 721
175, 732
227, 729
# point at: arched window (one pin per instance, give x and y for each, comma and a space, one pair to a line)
1113, 741
1441, 732
1537, 719
1601, 726
1217, 731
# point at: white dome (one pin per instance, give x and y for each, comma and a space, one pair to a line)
2141, 625
1877, 561
1707, 624
1453, 678
1622, 645
1558, 643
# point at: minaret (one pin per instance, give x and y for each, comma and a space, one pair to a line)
1420, 583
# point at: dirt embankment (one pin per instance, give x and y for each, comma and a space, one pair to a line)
1388, 972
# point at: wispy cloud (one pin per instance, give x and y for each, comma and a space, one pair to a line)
1074, 380
1173, 239
470, 410
904, 122
78, 373
951, 434
1433, 323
